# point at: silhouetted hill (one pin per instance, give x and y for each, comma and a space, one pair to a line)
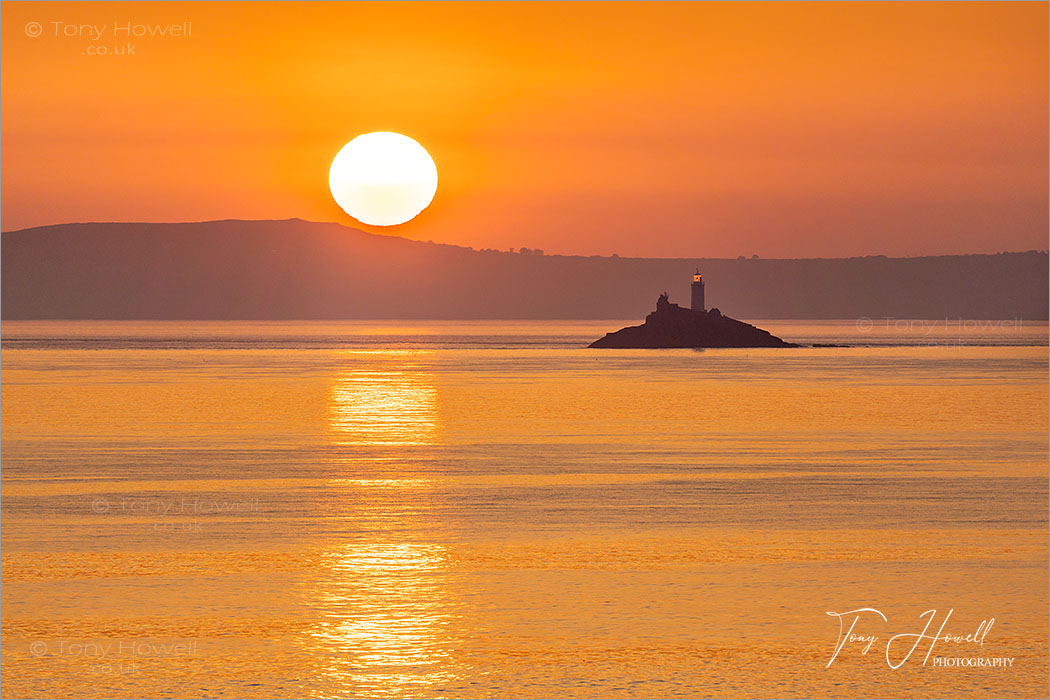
300, 270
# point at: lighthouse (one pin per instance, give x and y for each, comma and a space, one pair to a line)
698, 292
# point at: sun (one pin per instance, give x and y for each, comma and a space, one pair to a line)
383, 178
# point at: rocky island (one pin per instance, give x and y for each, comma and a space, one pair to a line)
673, 326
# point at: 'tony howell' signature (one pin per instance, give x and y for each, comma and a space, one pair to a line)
897, 645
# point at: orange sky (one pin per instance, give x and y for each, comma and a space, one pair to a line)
641, 129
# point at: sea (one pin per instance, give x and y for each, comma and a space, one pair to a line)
392, 509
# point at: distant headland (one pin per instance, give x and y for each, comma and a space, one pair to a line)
293, 269
673, 326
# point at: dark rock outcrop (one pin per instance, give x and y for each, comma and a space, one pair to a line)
672, 326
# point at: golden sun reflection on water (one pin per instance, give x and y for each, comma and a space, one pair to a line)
386, 613
388, 402
384, 605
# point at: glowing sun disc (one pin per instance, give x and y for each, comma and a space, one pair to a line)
383, 178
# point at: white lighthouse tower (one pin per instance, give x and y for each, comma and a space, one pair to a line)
698, 292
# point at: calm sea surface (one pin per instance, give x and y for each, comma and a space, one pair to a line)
390, 509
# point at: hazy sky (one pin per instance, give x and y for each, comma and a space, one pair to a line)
641, 129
